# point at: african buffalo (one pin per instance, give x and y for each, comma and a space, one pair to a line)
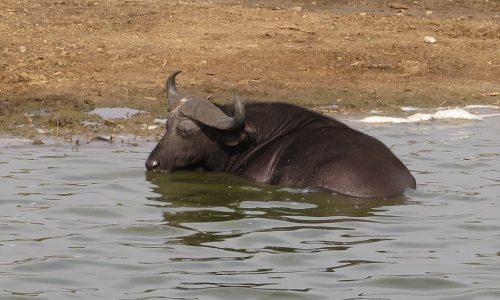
276, 143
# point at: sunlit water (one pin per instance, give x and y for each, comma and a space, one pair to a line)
93, 224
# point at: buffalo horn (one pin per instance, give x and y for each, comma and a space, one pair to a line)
173, 97
209, 114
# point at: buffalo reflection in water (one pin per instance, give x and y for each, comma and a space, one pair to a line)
189, 197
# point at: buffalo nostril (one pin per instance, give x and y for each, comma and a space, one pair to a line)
152, 164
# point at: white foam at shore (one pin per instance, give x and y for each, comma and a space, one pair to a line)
442, 114
455, 113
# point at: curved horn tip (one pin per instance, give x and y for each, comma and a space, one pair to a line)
175, 73
171, 77
173, 96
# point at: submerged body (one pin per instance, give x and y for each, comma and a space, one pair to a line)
278, 143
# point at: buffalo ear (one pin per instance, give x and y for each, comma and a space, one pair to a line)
250, 129
241, 137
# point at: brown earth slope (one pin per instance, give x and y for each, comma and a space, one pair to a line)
59, 59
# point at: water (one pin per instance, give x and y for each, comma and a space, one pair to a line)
93, 225
115, 112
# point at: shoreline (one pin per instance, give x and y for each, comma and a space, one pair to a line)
111, 130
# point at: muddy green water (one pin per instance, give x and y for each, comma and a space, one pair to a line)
93, 224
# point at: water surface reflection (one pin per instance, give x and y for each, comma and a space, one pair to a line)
218, 207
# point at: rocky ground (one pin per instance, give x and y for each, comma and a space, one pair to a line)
59, 59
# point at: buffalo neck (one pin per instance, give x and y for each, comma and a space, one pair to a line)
274, 125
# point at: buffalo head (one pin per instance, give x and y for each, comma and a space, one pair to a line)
198, 132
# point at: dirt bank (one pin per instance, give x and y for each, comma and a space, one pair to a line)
59, 59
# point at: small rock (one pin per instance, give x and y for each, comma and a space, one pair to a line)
297, 9
22, 49
37, 142
108, 122
398, 6
160, 121
430, 40
268, 35
104, 139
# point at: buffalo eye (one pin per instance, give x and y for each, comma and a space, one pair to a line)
186, 128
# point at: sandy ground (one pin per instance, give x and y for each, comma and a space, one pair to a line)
60, 59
